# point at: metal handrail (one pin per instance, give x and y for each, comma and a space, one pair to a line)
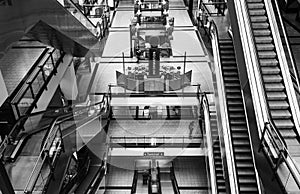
291, 56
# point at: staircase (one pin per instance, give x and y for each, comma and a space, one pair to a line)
270, 70
220, 179
245, 170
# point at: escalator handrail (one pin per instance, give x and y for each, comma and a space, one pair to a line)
134, 182
269, 117
213, 32
100, 174
96, 179
174, 180
293, 63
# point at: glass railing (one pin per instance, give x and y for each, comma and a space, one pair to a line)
187, 91
99, 15
162, 141
78, 13
277, 152
213, 8
27, 96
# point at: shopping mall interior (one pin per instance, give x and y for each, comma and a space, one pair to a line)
149, 96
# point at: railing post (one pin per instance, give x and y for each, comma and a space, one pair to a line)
262, 136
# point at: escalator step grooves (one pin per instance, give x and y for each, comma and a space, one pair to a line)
270, 68
237, 119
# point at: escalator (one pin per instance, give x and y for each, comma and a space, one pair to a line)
49, 22
274, 85
220, 179
245, 169
165, 181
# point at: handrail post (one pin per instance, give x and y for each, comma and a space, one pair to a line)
262, 136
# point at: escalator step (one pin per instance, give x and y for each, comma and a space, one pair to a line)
229, 68
248, 189
227, 57
264, 32
244, 164
247, 180
272, 78
281, 114
230, 79
267, 54
256, 5
278, 105
239, 128
244, 157
236, 109
227, 52
246, 171
261, 25
276, 96
233, 91
232, 85
228, 62
226, 46
274, 87
264, 39
268, 62
258, 19
237, 116
240, 134
286, 123
235, 96
238, 122
230, 73
288, 133
254, 1
265, 47
257, 12
234, 103
270, 70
